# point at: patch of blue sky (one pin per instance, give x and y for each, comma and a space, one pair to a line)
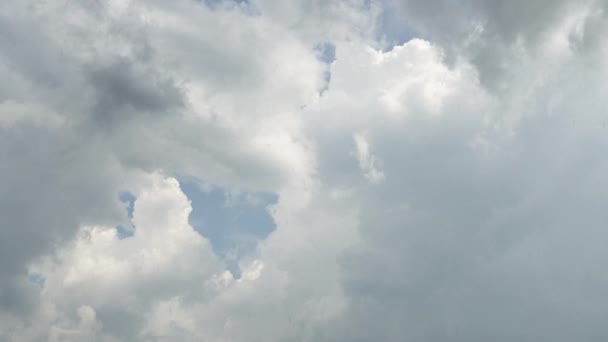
215, 3
326, 53
394, 29
129, 199
126, 230
37, 279
243, 5
234, 223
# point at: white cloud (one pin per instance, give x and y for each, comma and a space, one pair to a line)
484, 143
367, 161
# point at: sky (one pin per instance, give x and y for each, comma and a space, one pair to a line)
303, 170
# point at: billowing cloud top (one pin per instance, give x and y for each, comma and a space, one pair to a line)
437, 170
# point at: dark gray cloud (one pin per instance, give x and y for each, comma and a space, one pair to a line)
126, 90
492, 34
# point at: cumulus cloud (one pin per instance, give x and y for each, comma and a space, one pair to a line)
445, 187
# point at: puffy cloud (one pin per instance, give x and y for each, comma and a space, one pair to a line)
474, 233
447, 188
123, 89
120, 279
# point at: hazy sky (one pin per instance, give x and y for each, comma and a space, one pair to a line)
303, 170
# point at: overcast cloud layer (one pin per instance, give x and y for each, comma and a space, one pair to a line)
440, 170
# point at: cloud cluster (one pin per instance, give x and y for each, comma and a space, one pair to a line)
450, 187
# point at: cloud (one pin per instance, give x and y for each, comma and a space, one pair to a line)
109, 99
165, 257
494, 34
449, 187
367, 162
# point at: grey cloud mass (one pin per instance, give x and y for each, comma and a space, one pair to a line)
491, 34
439, 175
